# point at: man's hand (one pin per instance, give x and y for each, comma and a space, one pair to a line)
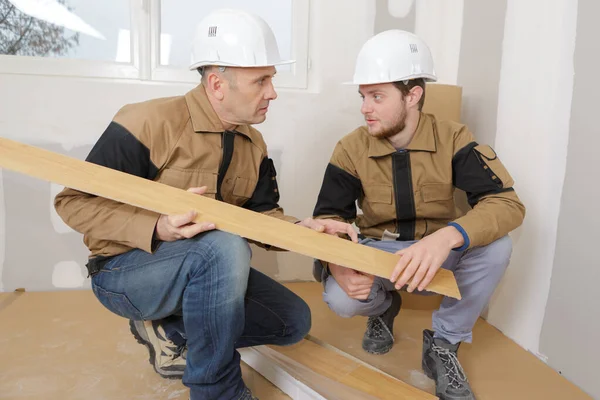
422, 260
356, 284
330, 226
174, 227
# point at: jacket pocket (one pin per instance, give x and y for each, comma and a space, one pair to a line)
243, 187
493, 166
438, 201
187, 178
378, 193
437, 192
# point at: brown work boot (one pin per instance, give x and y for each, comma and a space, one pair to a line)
167, 358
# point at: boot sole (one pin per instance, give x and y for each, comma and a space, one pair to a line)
150, 348
379, 352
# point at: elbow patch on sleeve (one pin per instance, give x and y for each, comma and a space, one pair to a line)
479, 172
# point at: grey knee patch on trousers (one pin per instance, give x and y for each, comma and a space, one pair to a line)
346, 307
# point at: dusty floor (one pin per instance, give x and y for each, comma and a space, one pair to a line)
496, 366
65, 345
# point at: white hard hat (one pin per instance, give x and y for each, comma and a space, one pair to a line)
392, 56
234, 38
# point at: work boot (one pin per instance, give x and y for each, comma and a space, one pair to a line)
441, 364
167, 357
379, 337
247, 395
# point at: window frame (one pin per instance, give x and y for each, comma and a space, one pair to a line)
31, 65
145, 54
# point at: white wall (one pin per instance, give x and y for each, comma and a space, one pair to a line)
534, 106
439, 24
570, 324
532, 125
68, 114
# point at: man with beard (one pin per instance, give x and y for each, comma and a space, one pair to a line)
403, 168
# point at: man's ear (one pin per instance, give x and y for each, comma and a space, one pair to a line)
214, 84
414, 96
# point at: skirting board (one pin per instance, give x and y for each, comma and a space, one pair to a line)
154, 196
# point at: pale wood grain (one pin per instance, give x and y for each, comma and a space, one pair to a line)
115, 185
355, 376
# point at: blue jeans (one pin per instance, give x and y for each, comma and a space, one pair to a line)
225, 304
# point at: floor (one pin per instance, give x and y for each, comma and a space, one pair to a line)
65, 345
497, 368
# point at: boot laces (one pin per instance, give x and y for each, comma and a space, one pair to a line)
454, 371
375, 328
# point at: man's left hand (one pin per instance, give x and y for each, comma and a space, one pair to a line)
422, 260
330, 226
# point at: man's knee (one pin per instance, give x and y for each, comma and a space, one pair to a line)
301, 324
227, 254
492, 260
343, 305
499, 251
345, 308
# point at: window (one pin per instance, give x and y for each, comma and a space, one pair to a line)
139, 39
67, 37
175, 28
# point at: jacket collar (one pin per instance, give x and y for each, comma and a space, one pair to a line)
205, 119
424, 140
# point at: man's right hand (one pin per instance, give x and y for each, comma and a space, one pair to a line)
356, 284
174, 227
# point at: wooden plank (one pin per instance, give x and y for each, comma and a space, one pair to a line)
335, 376
115, 185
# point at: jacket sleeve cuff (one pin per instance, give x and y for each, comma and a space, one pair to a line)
467, 241
145, 223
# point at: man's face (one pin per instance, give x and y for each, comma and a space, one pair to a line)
384, 109
248, 93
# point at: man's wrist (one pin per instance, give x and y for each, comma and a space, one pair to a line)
453, 237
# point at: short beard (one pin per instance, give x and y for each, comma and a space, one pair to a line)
398, 126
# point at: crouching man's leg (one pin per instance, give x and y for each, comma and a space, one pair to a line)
274, 314
478, 272
203, 279
382, 306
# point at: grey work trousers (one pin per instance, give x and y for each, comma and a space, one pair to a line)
477, 270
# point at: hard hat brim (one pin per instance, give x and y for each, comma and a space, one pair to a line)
426, 77
225, 64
